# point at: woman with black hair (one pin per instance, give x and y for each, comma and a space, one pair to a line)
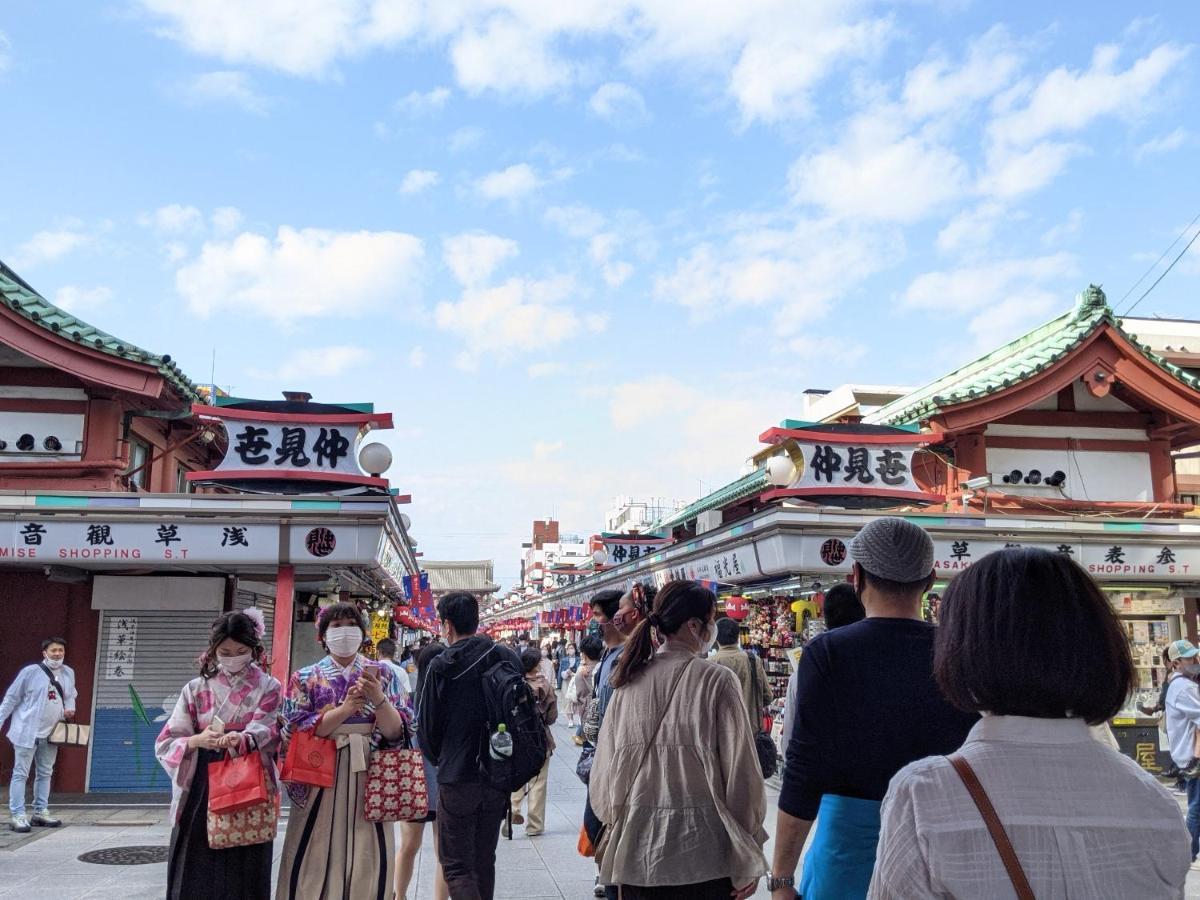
1028, 640
412, 834
676, 780
231, 708
330, 851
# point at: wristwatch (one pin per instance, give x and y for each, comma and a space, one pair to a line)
786, 881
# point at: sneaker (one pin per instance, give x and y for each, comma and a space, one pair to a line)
1192, 771
598, 891
518, 819
506, 832
20, 825
43, 819
578, 741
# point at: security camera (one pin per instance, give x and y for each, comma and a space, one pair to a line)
976, 484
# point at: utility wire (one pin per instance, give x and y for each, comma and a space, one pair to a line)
1146, 274
1165, 272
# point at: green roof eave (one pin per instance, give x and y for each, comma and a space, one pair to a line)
746, 486
22, 299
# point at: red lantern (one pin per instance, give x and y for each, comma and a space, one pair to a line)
735, 608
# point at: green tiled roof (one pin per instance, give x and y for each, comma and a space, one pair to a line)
746, 486
18, 296
1016, 362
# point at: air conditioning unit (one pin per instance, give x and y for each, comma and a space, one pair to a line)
708, 520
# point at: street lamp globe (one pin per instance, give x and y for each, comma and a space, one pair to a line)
781, 471
375, 459
600, 557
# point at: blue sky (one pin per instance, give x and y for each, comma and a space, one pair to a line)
591, 248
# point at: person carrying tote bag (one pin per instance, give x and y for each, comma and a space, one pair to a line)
224, 725
675, 779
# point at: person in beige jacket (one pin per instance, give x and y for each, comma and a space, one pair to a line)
676, 778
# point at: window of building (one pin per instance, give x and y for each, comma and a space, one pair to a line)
182, 485
139, 458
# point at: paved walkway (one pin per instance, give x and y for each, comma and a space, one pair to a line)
541, 868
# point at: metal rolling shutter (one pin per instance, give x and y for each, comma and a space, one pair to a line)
266, 602
164, 660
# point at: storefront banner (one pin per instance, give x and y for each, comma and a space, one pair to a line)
333, 544
90, 542
290, 447
729, 566
1116, 560
857, 466
626, 551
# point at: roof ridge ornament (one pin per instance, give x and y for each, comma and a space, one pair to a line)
1090, 302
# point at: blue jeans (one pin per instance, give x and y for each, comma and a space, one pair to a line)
42, 758
1193, 814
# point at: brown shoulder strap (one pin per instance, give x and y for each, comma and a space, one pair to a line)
995, 828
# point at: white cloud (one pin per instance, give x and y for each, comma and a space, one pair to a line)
1013, 173
305, 364
878, 172
465, 138
576, 221
1164, 143
174, 218
1065, 230
619, 104
80, 301
601, 249
770, 54
474, 256
971, 228
797, 271
225, 87
417, 357
51, 245
512, 184
521, 314
5, 54
1068, 101
301, 273
936, 86
418, 180
225, 219
545, 369
1002, 297
419, 103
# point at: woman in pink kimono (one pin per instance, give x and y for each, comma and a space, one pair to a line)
232, 707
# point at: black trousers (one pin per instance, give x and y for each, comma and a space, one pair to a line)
468, 824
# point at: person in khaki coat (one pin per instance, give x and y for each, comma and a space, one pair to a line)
676, 780
749, 669
535, 791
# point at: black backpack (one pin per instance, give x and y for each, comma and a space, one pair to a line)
508, 698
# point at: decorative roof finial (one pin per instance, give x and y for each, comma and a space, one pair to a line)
1090, 302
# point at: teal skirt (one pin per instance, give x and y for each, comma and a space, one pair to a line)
841, 855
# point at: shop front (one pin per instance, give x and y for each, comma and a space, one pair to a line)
137, 580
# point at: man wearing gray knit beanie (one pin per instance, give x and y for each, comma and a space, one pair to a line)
866, 706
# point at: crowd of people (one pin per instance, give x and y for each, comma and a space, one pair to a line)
959, 760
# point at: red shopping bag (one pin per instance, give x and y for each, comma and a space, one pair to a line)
395, 790
310, 760
236, 782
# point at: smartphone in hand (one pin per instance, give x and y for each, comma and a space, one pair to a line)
218, 725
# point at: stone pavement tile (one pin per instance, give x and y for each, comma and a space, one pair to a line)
527, 883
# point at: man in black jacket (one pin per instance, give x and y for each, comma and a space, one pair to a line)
454, 736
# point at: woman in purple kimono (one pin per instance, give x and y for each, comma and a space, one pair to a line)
330, 851
232, 707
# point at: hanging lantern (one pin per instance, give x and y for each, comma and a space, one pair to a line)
735, 608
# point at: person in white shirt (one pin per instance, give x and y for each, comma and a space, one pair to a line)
386, 651
42, 695
1183, 717
1028, 640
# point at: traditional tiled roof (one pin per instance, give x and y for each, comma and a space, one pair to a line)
473, 576
746, 486
18, 296
1017, 362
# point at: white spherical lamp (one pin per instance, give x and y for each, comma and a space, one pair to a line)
405, 521
600, 557
375, 459
781, 471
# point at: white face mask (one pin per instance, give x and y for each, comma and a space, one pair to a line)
231, 665
708, 637
55, 664
344, 640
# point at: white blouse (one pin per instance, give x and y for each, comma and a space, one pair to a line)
1084, 820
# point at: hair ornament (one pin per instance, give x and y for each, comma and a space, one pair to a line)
255, 615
